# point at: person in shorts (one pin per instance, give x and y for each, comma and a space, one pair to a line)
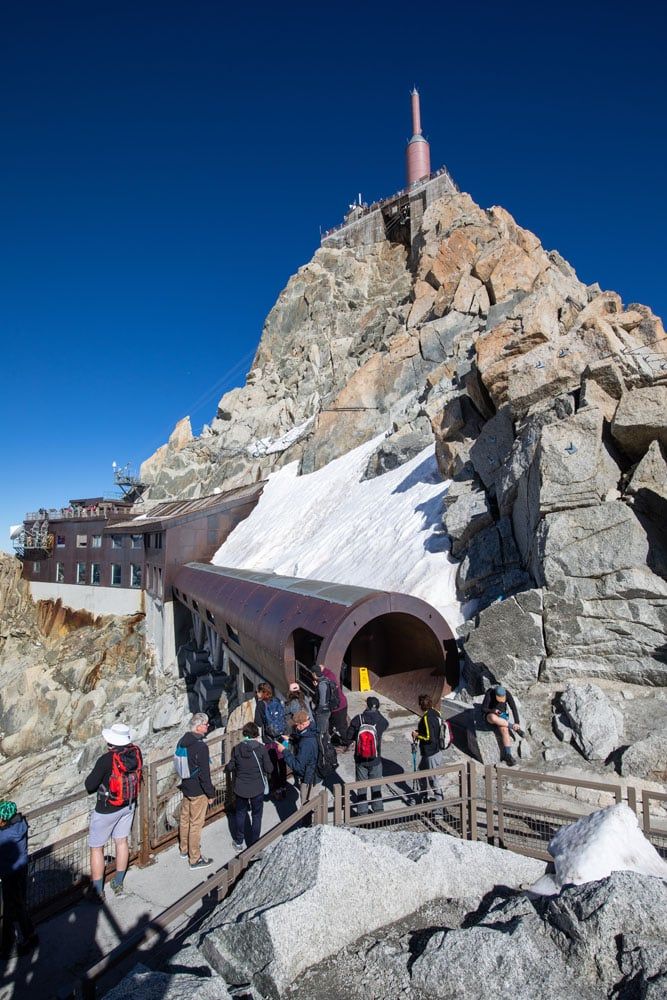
109, 821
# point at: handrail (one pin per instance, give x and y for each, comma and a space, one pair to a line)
224, 879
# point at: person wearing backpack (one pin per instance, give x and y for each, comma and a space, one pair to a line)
297, 703
250, 767
326, 699
271, 712
429, 738
365, 732
116, 779
338, 722
193, 766
303, 759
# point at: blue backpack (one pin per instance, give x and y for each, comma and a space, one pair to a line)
274, 713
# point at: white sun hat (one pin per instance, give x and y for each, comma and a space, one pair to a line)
118, 735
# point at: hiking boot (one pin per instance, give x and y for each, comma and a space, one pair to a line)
508, 757
202, 863
93, 896
116, 888
520, 732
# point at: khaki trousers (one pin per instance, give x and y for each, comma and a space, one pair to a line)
193, 814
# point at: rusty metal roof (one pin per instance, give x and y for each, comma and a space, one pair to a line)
169, 512
337, 593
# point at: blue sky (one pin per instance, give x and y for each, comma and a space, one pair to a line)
166, 166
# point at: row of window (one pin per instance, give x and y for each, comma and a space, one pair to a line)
92, 574
136, 541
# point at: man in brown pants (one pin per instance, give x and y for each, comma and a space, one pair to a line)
198, 792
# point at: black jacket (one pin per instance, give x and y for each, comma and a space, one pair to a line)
304, 761
428, 730
249, 762
199, 782
369, 717
490, 704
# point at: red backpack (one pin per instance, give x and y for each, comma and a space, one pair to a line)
126, 767
367, 741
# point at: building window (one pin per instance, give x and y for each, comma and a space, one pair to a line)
210, 617
116, 541
81, 541
36, 566
158, 539
60, 541
95, 574
96, 541
147, 540
159, 581
135, 575
60, 572
80, 572
137, 541
115, 574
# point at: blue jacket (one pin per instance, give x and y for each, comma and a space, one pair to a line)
13, 845
304, 761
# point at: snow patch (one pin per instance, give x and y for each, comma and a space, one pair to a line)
269, 446
384, 533
607, 841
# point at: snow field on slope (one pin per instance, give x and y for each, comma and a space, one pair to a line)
384, 533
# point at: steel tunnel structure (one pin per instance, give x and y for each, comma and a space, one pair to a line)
281, 626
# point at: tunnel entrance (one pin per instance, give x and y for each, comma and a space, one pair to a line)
403, 656
306, 650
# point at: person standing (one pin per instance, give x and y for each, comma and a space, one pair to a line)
500, 710
194, 768
427, 736
365, 731
297, 703
116, 778
325, 699
14, 877
303, 759
338, 721
250, 767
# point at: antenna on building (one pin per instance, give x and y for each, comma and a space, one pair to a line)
360, 197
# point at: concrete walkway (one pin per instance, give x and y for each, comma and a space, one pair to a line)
77, 938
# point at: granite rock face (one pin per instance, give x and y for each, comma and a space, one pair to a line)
545, 400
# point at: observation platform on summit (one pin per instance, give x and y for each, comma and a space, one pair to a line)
398, 217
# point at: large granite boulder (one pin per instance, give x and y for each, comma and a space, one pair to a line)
595, 723
647, 758
641, 417
317, 891
506, 642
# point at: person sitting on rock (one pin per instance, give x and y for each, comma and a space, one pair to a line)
500, 710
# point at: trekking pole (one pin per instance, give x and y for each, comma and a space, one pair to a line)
415, 781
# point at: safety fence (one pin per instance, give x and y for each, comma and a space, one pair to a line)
207, 895
518, 810
59, 862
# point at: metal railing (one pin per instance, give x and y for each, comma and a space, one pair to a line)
517, 810
214, 888
58, 866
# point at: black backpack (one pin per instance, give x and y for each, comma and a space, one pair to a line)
327, 759
333, 698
